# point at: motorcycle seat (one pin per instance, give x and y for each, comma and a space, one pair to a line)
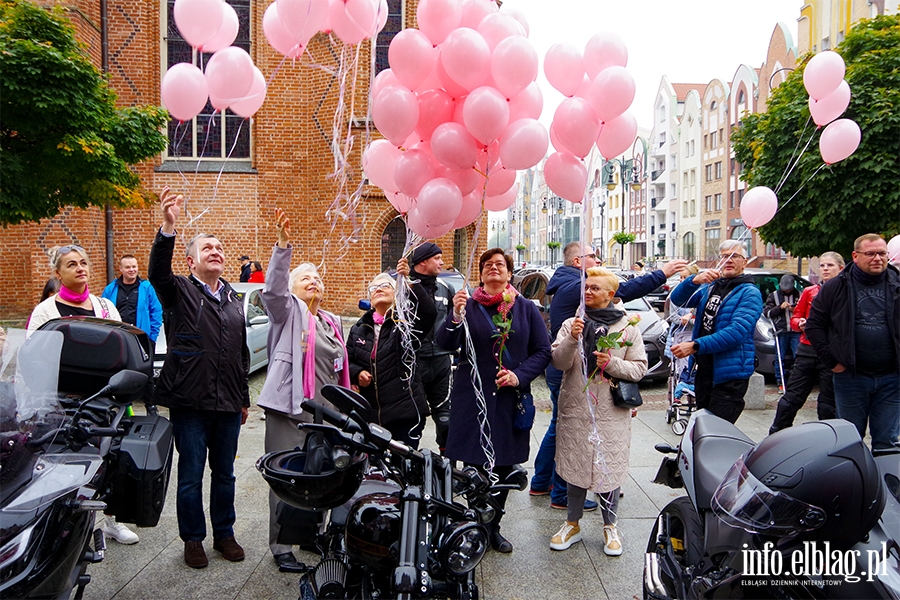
717, 445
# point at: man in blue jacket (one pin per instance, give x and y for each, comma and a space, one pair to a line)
728, 306
135, 298
565, 287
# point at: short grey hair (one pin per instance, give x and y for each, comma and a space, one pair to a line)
731, 246
302, 268
190, 249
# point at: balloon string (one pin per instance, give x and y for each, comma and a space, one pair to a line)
787, 167
816, 172
796, 163
405, 313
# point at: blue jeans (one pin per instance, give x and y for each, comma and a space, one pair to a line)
545, 473
198, 433
787, 340
877, 399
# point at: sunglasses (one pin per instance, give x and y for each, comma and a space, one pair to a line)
70, 248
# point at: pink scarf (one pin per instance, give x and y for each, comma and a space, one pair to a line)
379, 319
70, 296
482, 297
309, 361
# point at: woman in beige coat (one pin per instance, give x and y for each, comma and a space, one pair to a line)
589, 458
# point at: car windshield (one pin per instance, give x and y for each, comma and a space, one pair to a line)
768, 282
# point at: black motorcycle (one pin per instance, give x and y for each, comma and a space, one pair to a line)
68, 449
395, 528
807, 513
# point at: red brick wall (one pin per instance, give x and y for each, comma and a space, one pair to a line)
291, 154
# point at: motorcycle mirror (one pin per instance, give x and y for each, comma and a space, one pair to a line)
127, 382
666, 448
518, 478
348, 402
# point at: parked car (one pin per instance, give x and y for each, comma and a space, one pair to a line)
257, 323
657, 298
654, 330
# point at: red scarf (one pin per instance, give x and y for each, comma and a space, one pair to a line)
482, 297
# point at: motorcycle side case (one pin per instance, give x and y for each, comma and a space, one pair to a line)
141, 472
96, 349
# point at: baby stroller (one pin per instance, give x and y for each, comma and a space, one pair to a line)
680, 391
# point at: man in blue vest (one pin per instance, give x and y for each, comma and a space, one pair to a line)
135, 298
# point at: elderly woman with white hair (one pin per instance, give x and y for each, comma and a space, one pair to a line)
381, 360
306, 352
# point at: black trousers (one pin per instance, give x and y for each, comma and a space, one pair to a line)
725, 400
436, 372
808, 370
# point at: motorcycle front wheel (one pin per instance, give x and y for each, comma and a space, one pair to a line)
675, 544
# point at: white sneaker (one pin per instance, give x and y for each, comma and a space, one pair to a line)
118, 532
612, 545
565, 537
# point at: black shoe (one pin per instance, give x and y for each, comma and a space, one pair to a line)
500, 543
287, 563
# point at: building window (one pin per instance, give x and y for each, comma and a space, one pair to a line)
461, 247
719, 169
209, 135
709, 172
709, 204
731, 199
743, 234
722, 135
732, 166
714, 140
718, 201
393, 26
712, 105
712, 243
705, 142
740, 197
689, 243
693, 207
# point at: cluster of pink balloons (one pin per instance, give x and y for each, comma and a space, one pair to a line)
458, 108
758, 206
893, 249
290, 24
231, 79
829, 97
599, 91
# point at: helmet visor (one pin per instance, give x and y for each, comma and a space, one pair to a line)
741, 500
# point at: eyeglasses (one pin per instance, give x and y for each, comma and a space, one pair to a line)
873, 254
379, 286
499, 265
731, 256
594, 289
594, 256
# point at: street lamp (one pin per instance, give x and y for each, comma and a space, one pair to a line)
630, 172
502, 223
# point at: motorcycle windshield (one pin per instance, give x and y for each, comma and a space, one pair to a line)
55, 475
742, 501
29, 406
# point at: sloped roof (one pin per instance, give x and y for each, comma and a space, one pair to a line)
682, 89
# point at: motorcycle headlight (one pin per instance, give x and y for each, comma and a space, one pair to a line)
15, 548
764, 330
461, 547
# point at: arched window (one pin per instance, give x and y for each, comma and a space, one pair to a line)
712, 105
461, 250
392, 242
689, 246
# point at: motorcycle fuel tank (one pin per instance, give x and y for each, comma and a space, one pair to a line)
373, 526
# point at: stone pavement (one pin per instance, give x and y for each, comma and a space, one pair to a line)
154, 568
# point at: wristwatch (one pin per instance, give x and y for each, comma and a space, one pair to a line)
696, 346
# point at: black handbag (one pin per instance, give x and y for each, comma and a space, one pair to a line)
625, 393
524, 413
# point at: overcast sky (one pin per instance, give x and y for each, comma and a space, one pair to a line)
690, 41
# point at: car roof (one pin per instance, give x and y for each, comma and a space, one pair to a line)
247, 287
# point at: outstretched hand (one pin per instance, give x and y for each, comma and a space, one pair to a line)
282, 228
403, 267
171, 209
674, 266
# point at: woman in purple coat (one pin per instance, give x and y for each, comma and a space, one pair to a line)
511, 347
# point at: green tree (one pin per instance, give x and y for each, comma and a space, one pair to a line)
62, 139
855, 196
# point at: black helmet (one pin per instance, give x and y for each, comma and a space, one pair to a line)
817, 480
323, 475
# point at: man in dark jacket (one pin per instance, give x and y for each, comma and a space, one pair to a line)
246, 271
434, 363
854, 326
565, 287
779, 308
203, 381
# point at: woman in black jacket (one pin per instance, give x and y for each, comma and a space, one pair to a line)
382, 367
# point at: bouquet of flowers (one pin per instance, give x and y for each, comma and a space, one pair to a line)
503, 322
610, 341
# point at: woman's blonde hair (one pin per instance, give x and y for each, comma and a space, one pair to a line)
833, 256
57, 253
611, 280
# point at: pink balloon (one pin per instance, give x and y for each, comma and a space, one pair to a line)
893, 248
395, 113
566, 176
437, 18
382, 80
527, 104
278, 36
839, 140
502, 201
381, 18
227, 32
576, 125
823, 74
198, 20
378, 163
353, 20
414, 169
584, 90
220, 104
617, 135
497, 27
758, 206
465, 179
486, 114
519, 16
564, 68
523, 144
439, 202
473, 11
830, 107
454, 146
471, 210
184, 91
417, 223
432, 81
401, 202
248, 105
302, 18
602, 51
466, 58
514, 65
612, 92
500, 180
455, 90
554, 140
412, 57
489, 158
435, 108
229, 73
